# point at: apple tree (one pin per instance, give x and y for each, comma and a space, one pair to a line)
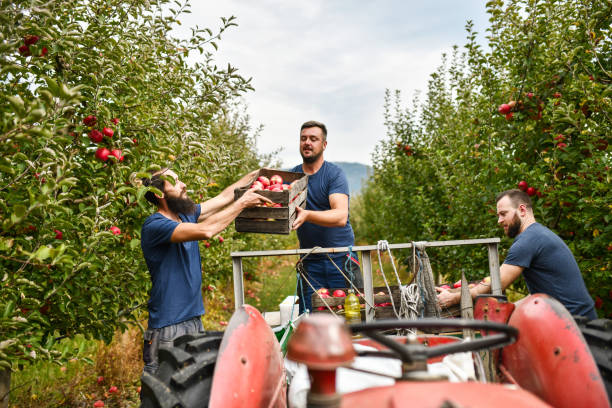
94, 95
534, 106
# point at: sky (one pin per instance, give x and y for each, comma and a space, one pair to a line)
331, 61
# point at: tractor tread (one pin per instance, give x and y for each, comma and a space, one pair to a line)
185, 373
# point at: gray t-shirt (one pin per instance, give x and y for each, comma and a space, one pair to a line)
550, 267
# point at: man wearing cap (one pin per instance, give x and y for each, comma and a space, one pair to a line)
169, 241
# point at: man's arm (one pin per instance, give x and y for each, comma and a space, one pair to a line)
337, 216
215, 223
508, 274
213, 205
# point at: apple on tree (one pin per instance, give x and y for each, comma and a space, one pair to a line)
90, 120
504, 109
108, 132
522, 185
96, 136
115, 230
102, 153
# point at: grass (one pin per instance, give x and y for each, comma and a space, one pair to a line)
75, 383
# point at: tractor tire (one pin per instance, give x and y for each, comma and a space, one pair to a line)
185, 373
598, 335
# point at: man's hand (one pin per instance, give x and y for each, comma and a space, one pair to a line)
251, 199
300, 218
447, 298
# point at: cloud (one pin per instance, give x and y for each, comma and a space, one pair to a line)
332, 61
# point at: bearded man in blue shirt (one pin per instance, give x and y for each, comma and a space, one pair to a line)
325, 220
538, 254
169, 241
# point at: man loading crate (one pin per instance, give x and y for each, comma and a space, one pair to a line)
325, 220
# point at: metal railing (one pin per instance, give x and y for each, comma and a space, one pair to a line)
366, 264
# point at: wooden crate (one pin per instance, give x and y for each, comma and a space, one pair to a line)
380, 312
269, 220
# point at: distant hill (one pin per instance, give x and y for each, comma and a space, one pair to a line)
356, 173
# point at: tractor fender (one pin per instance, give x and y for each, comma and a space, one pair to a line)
250, 368
551, 358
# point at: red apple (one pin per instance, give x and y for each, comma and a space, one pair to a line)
276, 179
530, 95
102, 153
504, 109
560, 137
277, 205
512, 104
113, 390
340, 307
117, 154
100, 380
30, 39
43, 51
115, 230
522, 185
339, 293
207, 244
96, 136
264, 180
321, 308
221, 239
509, 116
58, 234
445, 287
531, 191
457, 284
98, 404
275, 187
324, 295
557, 95
257, 185
90, 120
24, 50
115, 121
322, 291
108, 132
561, 146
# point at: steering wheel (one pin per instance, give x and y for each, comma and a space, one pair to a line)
503, 335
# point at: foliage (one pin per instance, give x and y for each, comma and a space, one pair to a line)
69, 70
445, 158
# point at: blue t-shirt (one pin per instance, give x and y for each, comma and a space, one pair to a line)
330, 179
176, 271
550, 267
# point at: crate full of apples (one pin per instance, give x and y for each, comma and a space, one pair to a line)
286, 190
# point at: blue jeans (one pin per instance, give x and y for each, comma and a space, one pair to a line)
321, 273
164, 336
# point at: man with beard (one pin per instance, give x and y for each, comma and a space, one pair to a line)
546, 263
325, 220
169, 241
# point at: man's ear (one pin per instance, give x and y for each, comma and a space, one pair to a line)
522, 209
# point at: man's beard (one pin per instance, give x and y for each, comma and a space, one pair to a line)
180, 205
310, 159
515, 227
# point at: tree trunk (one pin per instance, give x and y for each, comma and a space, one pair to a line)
5, 386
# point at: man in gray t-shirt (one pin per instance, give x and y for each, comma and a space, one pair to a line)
547, 264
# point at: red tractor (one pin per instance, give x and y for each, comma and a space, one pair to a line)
539, 359
531, 353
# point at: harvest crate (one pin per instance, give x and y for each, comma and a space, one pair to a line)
380, 312
269, 220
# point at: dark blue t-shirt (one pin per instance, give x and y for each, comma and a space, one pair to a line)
176, 271
550, 267
330, 179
